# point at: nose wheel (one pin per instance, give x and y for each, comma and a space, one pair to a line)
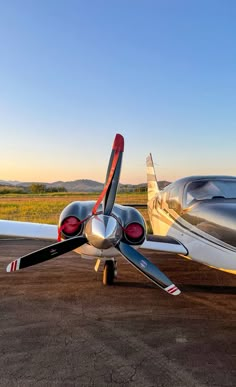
109, 272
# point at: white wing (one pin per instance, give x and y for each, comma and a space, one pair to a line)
165, 244
28, 230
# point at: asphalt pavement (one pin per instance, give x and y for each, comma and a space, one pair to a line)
59, 326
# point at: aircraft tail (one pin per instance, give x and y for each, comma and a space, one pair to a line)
152, 185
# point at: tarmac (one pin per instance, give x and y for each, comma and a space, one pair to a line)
59, 326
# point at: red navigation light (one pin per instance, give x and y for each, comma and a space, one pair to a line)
71, 226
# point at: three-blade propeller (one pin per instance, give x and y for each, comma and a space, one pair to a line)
107, 198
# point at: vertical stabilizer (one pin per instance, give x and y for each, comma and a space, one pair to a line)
152, 185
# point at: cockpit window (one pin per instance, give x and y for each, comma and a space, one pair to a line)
209, 189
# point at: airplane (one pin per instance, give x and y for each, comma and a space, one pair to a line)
98, 229
200, 213
193, 217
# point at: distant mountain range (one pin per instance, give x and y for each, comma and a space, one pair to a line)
81, 185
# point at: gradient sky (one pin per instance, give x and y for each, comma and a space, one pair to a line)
74, 73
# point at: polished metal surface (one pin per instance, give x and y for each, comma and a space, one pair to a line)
206, 203
216, 217
103, 231
83, 210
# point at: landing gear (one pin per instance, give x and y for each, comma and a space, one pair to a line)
109, 272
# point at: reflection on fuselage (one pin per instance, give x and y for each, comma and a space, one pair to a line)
204, 205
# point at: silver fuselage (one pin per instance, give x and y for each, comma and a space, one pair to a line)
200, 212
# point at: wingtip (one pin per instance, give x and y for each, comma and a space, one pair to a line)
118, 144
173, 290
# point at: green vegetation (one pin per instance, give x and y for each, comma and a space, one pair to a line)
34, 188
46, 207
38, 188
7, 189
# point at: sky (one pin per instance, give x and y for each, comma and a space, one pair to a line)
73, 73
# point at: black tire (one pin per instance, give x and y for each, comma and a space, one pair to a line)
108, 273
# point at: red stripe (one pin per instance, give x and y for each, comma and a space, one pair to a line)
173, 290
15, 262
172, 287
12, 264
113, 167
59, 233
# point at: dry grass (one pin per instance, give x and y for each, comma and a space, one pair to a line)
46, 208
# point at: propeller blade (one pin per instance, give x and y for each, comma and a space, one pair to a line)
46, 253
113, 174
108, 193
147, 268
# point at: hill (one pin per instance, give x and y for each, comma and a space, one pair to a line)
80, 185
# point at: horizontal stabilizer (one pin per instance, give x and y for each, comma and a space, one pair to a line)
165, 244
11, 228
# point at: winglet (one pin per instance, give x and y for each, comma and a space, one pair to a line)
152, 185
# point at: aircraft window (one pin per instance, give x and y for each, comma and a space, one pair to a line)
164, 197
210, 189
173, 200
174, 193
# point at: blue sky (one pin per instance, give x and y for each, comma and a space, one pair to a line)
75, 73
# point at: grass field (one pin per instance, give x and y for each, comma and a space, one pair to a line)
46, 208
